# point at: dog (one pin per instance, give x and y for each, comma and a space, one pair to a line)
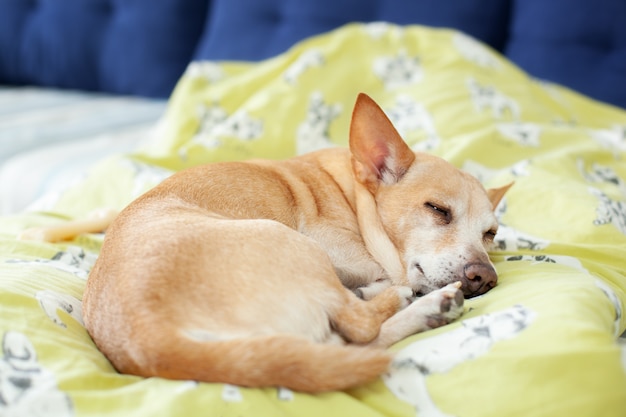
295, 273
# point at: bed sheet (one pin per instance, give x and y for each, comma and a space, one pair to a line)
543, 342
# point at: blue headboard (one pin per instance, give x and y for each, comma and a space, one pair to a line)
136, 47
141, 47
273, 25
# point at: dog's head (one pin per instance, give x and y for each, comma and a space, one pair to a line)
439, 220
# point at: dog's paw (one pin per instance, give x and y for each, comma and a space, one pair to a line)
443, 305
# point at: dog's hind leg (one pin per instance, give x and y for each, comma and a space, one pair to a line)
359, 321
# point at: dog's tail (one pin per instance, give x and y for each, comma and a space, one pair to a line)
281, 360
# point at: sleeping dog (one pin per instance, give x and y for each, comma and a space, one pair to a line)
294, 273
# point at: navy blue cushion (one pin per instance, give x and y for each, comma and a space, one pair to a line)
578, 43
122, 46
257, 29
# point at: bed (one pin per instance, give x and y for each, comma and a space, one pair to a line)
498, 88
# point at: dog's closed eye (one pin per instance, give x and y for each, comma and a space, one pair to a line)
490, 235
443, 213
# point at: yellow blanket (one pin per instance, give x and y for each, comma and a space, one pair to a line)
544, 342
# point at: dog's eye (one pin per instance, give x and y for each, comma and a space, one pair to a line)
490, 235
440, 211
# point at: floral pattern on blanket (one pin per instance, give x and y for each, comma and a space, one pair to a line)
543, 342
27, 389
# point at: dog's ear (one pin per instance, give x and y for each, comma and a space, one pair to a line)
495, 194
378, 152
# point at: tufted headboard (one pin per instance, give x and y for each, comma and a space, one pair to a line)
138, 47
141, 47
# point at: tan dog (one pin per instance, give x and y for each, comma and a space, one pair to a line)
250, 273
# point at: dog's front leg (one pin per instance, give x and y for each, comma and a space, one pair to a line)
433, 310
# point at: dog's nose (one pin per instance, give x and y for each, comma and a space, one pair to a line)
478, 278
